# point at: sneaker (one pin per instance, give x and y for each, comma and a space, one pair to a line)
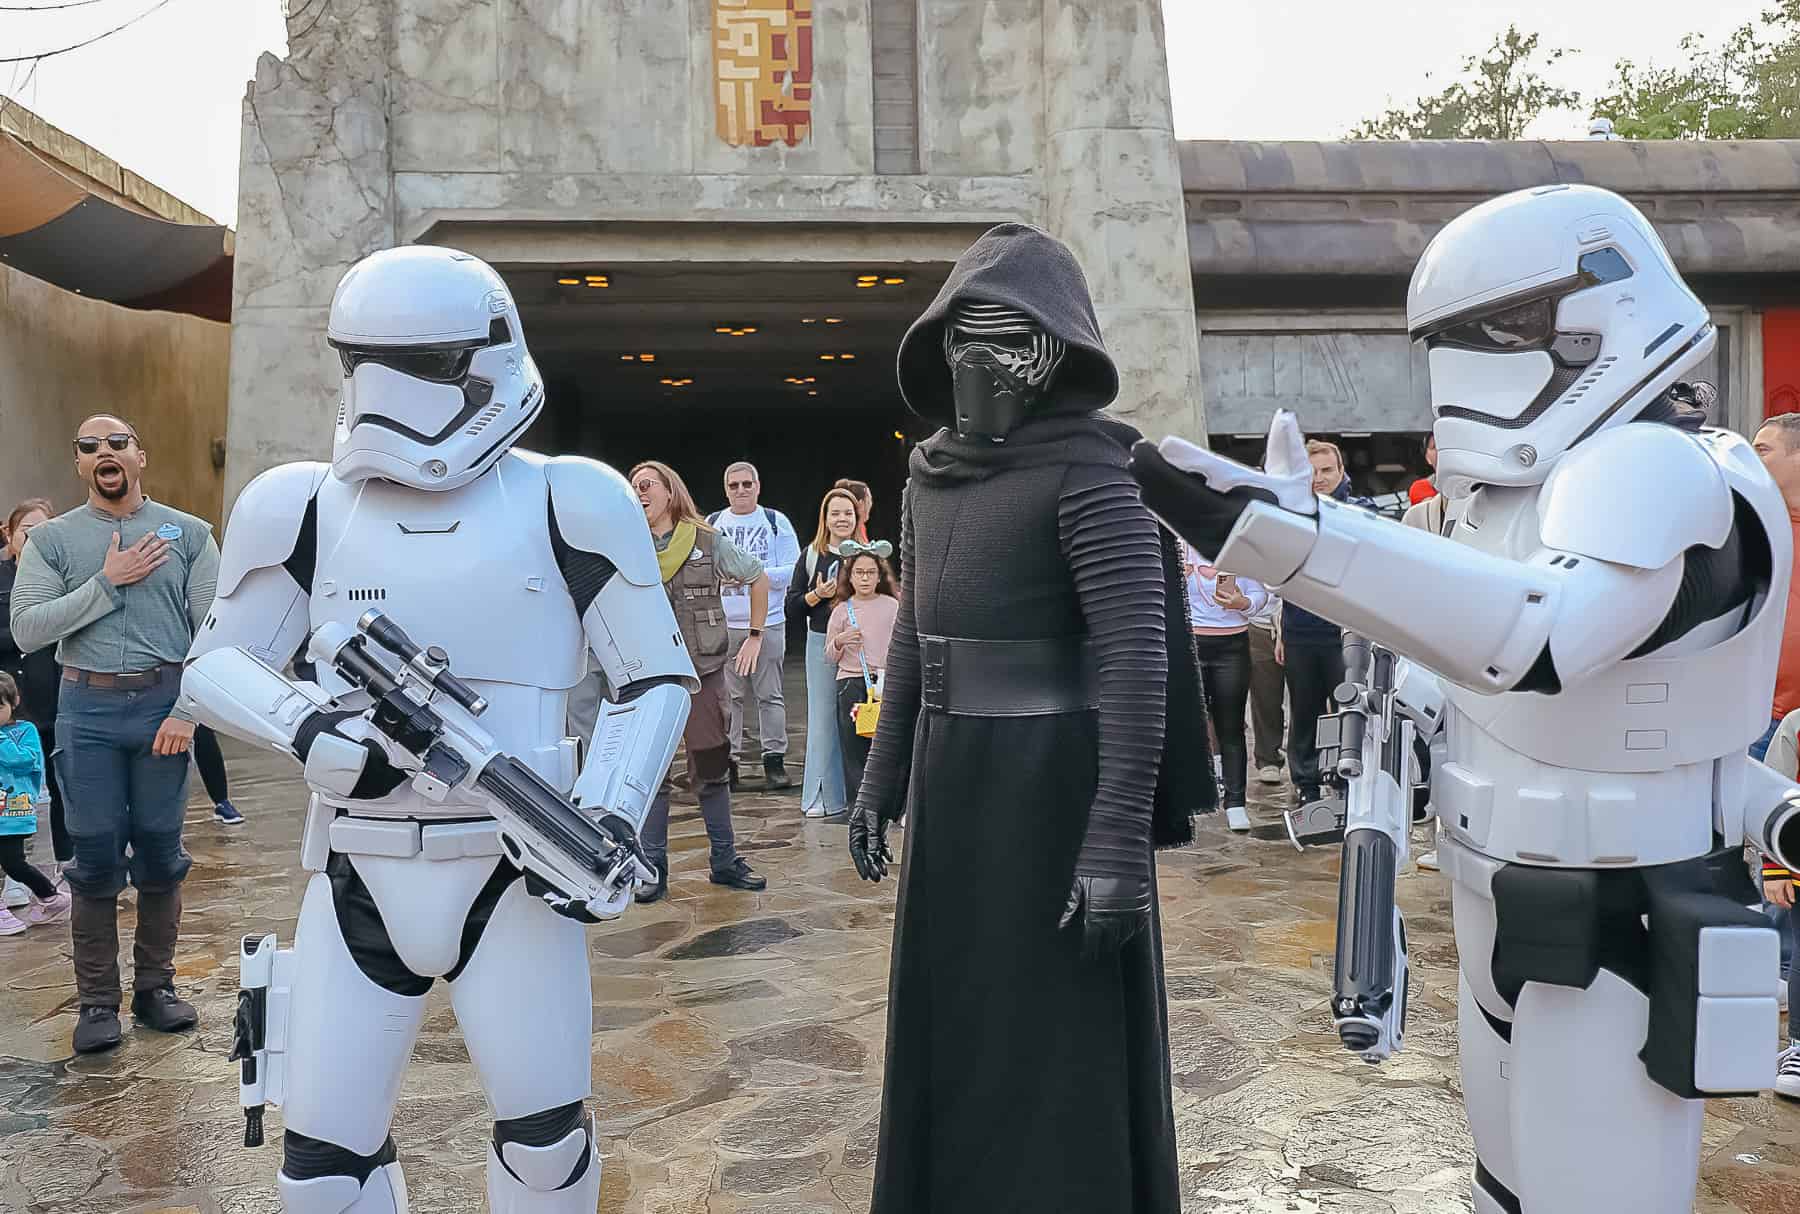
740, 876
1269, 775
1428, 860
16, 894
54, 909
163, 1010
1787, 1074
819, 811
227, 814
647, 894
98, 1029
1237, 817
10, 924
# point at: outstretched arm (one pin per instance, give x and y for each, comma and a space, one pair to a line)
1590, 596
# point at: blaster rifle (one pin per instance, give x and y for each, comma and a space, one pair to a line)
581, 867
1369, 743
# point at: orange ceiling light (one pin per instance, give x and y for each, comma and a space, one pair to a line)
834, 320
735, 330
865, 281
892, 282
827, 358
568, 282
676, 383
800, 381
637, 358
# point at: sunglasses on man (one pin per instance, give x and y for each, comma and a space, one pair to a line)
87, 444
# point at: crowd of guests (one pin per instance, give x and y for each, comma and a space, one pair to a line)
734, 577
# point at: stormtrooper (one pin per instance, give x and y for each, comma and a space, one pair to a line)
517, 567
1604, 616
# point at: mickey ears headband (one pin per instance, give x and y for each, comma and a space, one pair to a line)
880, 548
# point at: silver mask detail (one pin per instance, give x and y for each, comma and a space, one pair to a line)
1001, 364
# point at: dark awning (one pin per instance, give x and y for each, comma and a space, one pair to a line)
54, 229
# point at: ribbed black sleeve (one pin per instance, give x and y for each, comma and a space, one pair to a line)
890, 755
1115, 557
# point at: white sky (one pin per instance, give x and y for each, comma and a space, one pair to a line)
163, 97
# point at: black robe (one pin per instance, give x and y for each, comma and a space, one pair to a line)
1019, 1076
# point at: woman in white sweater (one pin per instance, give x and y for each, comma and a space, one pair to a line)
1219, 609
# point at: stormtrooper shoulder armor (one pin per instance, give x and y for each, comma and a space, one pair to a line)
267, 521
1639, 495
597, 512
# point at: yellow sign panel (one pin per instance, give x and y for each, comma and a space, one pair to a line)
763, 71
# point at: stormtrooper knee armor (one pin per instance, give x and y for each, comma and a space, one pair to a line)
523, 569
1606, 615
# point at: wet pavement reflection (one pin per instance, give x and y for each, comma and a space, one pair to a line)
738, 1043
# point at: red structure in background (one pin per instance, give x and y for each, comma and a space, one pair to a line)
1781, 361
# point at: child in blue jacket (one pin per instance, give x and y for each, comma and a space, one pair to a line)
21, 782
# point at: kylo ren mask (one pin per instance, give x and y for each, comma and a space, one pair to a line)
1001, 364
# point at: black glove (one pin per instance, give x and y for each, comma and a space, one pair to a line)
868, 843
379, 777
1193, 509
1112, 910
625, 835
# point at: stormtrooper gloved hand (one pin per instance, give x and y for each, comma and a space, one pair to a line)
1200, 494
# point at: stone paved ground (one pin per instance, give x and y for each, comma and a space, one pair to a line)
738, 1046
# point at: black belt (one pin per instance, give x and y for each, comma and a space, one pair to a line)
968, 678
132, 680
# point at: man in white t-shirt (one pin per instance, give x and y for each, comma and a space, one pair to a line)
766, 534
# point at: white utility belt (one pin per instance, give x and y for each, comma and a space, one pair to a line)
404, 840
395, 838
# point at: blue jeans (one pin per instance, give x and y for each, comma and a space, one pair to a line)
1759, 749
1779, 916
124, 805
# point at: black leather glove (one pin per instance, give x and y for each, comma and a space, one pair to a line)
1112, 910
1193, 509
625, 835
868, 843
379, 777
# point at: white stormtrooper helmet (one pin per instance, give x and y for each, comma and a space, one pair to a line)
437, 380
1547, 315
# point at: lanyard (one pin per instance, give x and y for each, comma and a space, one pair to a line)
868, 679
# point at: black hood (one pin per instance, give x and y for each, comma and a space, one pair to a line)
1026, 268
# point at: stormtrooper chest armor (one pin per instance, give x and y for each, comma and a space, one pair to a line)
1633, 765
470, 570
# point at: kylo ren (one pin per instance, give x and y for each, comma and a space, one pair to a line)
1042, 730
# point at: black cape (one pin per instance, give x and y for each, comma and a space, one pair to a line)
1018, 1076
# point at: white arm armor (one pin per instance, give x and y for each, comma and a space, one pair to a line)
1605, 575
1772, 814
237, 693
259, 605
632, 632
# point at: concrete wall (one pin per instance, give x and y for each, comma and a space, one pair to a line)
444, 120
63, 357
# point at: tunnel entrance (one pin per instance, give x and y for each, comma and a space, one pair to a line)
790, 366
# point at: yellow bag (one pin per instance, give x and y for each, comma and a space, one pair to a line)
867, 715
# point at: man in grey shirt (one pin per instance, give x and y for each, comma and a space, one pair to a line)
120, 584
